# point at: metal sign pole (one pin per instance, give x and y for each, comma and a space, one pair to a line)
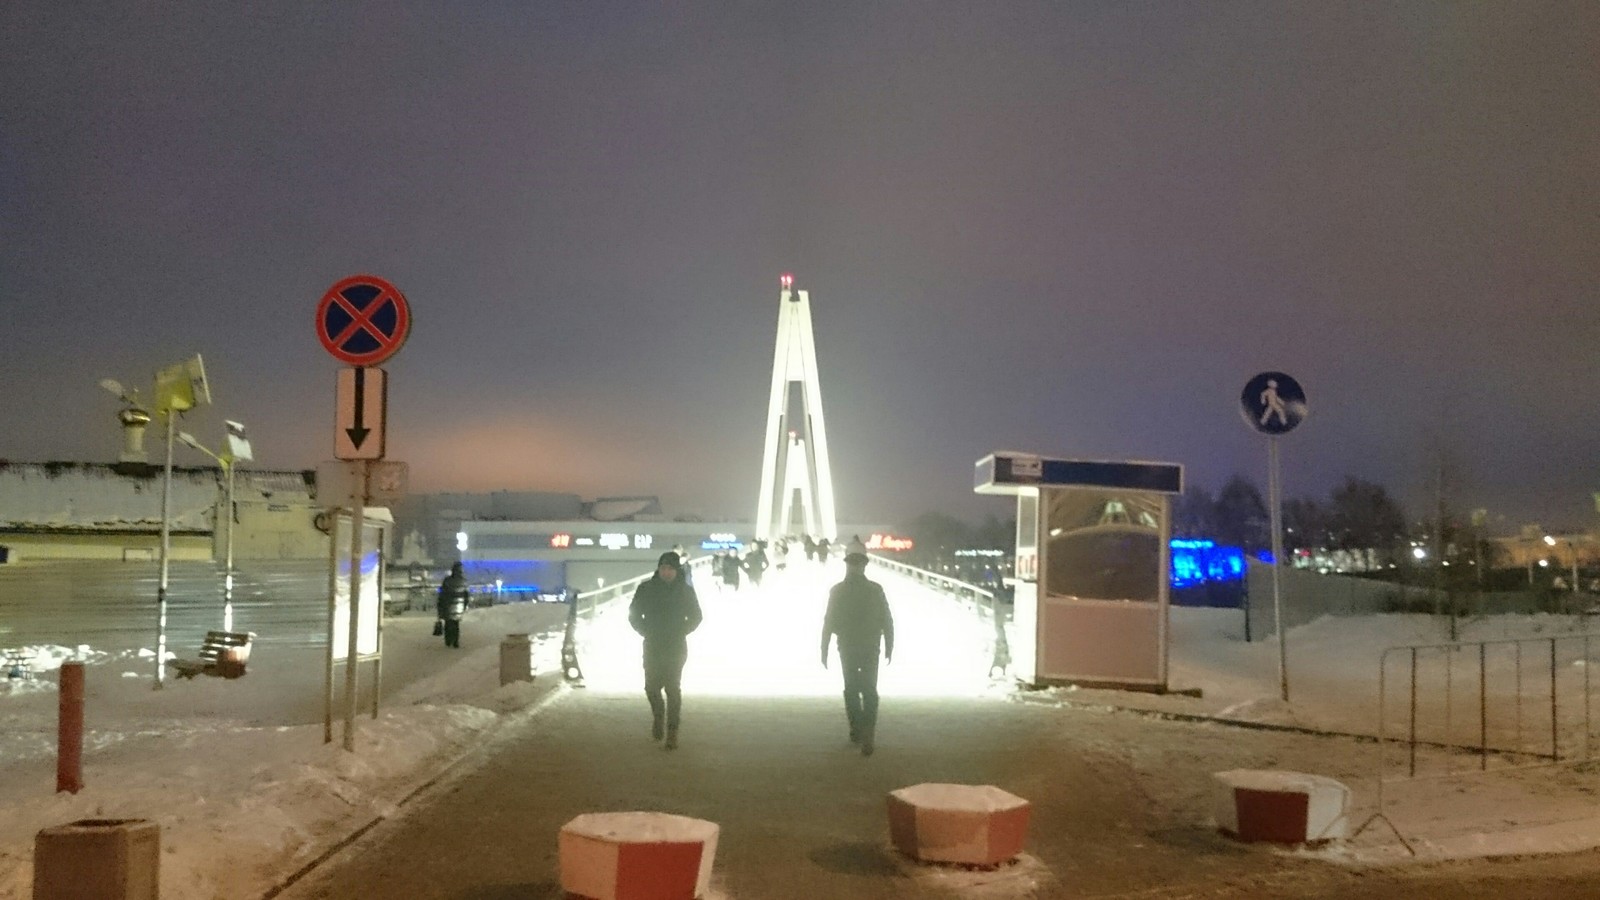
227, 581
166, 551
1275, 491
333, 612
357, 525
377, 663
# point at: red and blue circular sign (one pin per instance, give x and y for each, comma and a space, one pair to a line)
363, 320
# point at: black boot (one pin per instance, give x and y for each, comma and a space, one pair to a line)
672, 739
656, 728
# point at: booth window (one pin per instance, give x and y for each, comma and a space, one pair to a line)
1103, 545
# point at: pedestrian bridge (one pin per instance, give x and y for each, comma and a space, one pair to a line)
764, 641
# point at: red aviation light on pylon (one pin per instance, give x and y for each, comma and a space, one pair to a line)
786, 280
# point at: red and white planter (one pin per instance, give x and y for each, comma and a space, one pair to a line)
1280, 807
978, 825
637, 856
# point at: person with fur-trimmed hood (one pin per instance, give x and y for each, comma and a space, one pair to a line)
664, 611
859, 614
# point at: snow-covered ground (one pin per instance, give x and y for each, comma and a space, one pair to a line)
246, 792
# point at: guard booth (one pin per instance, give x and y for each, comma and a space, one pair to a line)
1091, 580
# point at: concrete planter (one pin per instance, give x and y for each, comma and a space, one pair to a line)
979, 825
637, 856
1280, 807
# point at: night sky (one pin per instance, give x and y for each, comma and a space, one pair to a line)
1071, 228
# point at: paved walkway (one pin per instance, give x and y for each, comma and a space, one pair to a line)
803, 814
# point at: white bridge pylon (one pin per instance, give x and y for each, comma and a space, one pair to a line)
796, 476
763, 641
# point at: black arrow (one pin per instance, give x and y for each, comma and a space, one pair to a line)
359, 433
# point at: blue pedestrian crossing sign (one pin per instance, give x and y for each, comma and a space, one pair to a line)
1273, 403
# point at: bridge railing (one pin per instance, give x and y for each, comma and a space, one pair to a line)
985, 603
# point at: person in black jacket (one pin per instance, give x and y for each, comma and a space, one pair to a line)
755, 563
664, 611
452, 604
859, 614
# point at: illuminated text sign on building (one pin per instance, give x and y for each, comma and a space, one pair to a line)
880, 541
610, 541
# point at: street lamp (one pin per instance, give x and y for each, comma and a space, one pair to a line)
238, 451
1573, 548
178, 389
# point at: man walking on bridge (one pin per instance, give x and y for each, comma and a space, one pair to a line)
858, 613
665, 610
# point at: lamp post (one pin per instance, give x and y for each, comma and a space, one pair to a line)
238, 451
1573, 549
179, 388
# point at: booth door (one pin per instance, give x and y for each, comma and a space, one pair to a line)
1102, 612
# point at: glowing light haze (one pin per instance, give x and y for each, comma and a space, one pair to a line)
763, 642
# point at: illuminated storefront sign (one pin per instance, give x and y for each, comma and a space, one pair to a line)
722, 540
610, 540
880, 541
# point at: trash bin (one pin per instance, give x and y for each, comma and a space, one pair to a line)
98, 859
516, 659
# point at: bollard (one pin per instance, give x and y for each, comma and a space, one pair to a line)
69, 730
516, 659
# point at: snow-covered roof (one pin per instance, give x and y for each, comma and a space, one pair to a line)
73, 496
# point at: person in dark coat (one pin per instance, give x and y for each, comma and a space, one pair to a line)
731, 567
859, 614
664, 611
811, 549
755, 563
822, 550
452, 604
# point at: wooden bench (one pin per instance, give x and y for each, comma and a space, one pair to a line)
223, 654
18, 665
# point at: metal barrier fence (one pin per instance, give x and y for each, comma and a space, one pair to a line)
1524, 703
982, 602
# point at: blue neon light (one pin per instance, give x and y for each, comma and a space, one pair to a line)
518, 576
1196, 562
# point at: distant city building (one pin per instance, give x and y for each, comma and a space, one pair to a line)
545, 557
74, 510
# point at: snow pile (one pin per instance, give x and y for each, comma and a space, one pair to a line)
236, 771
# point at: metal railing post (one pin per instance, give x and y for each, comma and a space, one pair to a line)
1483, 707
1518, 647
1449, 693
1555, 738
1413, 740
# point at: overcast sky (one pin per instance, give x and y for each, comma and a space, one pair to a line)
1070, 228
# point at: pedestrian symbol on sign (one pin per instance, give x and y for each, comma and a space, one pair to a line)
1273, 403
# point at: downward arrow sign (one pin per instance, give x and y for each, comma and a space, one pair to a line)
359, 433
